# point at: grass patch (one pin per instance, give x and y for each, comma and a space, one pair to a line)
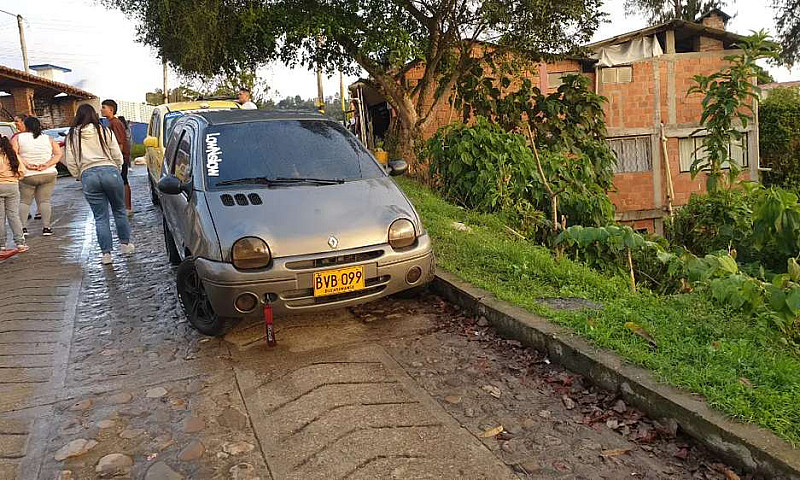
742, 370
138, 150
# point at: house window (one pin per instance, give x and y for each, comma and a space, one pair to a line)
634, 154
616, 75
555, 80
692, 147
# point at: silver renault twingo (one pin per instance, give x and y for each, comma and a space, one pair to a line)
287, 210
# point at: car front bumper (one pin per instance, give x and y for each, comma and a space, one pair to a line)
287, 283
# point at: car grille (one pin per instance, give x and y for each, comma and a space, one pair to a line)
334, 260
241, 199
227, 200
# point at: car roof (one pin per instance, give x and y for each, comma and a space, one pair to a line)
199, 104
223, 117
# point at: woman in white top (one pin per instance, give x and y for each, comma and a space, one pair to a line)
40, 154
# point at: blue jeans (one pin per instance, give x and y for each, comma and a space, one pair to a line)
103, 186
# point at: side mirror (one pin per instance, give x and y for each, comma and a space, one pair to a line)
170, 185
397, 167
150, 142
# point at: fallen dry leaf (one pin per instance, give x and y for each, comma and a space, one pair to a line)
492, 432
747, 383
641, 332
569, 403
731, 475
615, 452
492, 390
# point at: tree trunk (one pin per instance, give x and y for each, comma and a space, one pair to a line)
409, 141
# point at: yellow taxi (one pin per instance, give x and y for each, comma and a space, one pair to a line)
161, 122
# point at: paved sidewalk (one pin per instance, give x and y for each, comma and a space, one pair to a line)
37, 308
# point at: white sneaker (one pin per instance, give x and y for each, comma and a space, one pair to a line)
106, 259
128, 248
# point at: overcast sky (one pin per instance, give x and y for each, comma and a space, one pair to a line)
98, 45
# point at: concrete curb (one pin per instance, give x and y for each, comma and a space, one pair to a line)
745, 446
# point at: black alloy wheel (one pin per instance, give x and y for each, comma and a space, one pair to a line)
195, 302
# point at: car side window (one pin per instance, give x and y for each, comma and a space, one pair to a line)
183, 157
154, 121
172, 146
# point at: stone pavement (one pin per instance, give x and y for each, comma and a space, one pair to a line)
101, 376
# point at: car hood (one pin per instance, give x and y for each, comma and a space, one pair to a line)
299, 220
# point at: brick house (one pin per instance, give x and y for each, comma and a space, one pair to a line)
645, 75
54, 102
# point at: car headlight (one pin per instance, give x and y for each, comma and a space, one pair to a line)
402, 234
250, 252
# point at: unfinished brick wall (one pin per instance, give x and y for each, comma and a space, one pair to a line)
655, 94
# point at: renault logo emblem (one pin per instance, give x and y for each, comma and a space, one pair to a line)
333, 242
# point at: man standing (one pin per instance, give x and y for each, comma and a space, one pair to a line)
243, 98
108, 109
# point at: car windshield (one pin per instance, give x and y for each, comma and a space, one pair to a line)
285, 152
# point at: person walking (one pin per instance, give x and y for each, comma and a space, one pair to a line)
93, 155
108, 109
40, 154
243, 99
19, 122
11, 170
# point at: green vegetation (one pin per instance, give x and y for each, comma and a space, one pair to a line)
138, 150
741, 366
779, 138
727, 104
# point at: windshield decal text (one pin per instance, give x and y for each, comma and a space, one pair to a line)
213, 154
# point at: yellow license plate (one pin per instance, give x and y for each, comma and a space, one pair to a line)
334, 282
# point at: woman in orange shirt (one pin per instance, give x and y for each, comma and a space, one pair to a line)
11, 170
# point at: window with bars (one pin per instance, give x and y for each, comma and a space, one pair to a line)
692, 147
634, 154
616, 75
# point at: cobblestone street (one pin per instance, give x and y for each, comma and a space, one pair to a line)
101, 376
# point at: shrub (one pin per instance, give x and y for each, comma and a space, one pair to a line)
487, 168
779, 137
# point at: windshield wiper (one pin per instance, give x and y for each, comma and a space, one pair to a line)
320, 181
280, 181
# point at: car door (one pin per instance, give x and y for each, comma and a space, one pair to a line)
154, 154
177, 208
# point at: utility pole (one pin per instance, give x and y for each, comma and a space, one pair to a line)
341, 95
320, 93
166, 94
22, 43
20, 25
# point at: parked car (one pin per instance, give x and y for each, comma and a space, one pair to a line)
160, 125
60, 136
283, 208
7, 129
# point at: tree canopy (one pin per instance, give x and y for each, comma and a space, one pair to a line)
788, 23
659, 11
384, 37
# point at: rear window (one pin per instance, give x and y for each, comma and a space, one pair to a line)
285, 149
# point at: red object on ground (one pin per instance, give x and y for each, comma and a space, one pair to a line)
270, 328
5, 254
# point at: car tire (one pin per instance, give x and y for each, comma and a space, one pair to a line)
153, 193
195, 302
169, 244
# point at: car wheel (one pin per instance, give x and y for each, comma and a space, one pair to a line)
195, 302
169, 243
153, 193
